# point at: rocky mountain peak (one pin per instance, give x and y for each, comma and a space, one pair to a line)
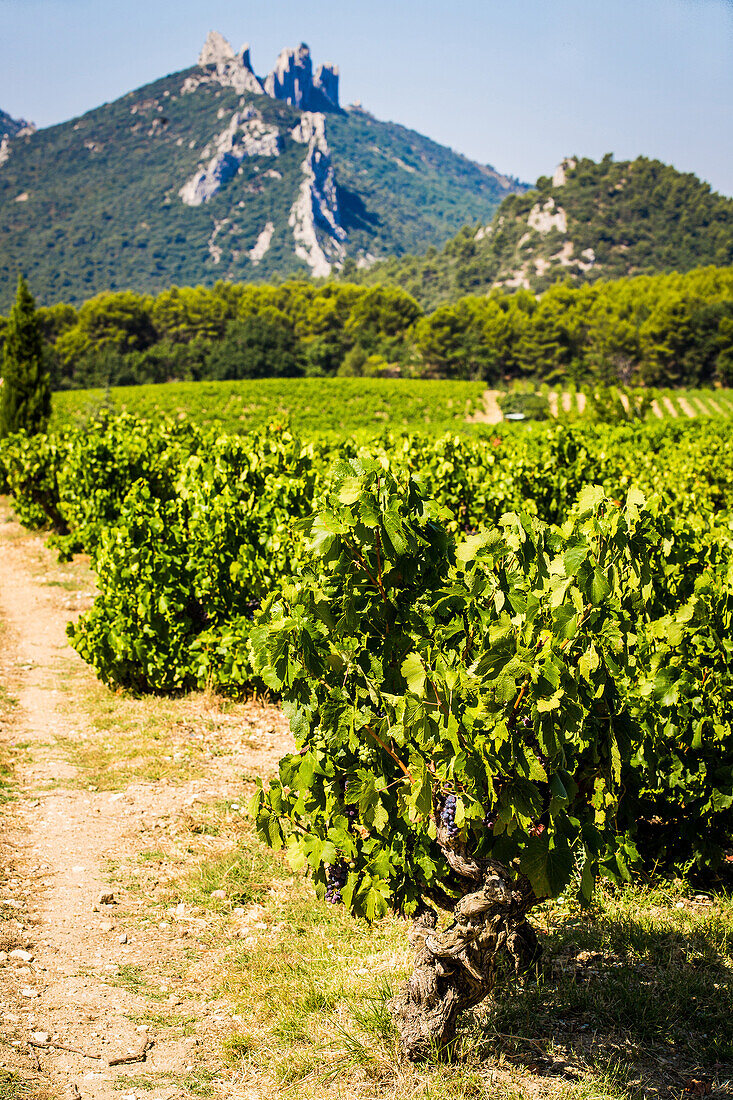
216, 50
292, 80
221, 64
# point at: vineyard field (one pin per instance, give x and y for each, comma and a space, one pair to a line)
312, 406
354, 407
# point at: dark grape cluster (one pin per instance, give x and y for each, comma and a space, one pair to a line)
490, 819
532, 741
336, 876
448, 816
351, 814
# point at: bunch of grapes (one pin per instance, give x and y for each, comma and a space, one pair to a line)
532, 742
490, 819
448, 816
336, 876
351, 814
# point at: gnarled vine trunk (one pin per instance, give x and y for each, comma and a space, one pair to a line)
456, 968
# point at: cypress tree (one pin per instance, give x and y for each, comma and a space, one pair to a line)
25, 394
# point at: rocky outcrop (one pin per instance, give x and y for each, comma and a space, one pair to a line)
560, 175
221, 65
262, 244
245, 136
216, 51
326, 84
314, 216
291, 80
546, 217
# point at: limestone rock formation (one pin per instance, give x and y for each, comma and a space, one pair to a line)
220, 64
261, 244
316, 206
245, 136
216, 51
15, 127
326, 83
292, 80
560, 175
545, 217
292, 77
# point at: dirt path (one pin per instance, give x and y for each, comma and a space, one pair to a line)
107, 979
489, 413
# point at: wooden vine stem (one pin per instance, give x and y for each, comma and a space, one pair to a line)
456, 968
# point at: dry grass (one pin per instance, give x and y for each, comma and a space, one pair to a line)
633, 999
127, 739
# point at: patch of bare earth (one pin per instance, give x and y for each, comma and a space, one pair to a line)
106, 978
490, 413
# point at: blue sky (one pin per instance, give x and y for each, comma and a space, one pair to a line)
514, 83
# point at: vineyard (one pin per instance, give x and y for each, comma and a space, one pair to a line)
366, 407
331, 406
505, 656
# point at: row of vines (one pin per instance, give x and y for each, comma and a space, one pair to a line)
507, 662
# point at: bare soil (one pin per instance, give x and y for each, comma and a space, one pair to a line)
107, 979
490, 413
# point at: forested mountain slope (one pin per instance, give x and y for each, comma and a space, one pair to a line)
588, 221
215, 173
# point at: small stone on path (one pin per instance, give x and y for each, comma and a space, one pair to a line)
21, 956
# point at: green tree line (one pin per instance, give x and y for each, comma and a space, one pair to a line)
657, 330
